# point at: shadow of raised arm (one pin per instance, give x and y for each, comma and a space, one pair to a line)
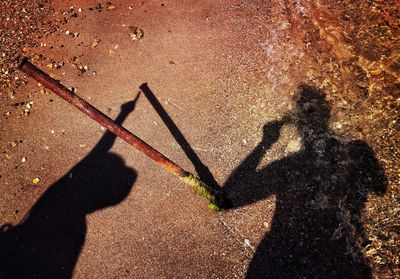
108, 139
243, 185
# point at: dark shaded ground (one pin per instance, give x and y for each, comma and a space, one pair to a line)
48, 242
320, 194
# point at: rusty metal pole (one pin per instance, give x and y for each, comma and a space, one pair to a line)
215, 197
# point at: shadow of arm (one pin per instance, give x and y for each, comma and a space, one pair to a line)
240, 185
108, 139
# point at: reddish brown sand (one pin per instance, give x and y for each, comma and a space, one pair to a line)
221, 70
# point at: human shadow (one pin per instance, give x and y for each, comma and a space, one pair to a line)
320, 193
48, 242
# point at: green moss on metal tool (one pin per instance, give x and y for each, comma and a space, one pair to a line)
214, 207
202, 189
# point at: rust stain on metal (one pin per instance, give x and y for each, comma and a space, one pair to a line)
99, 117
216, 197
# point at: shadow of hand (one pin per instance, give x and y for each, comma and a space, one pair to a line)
129, 107
271, 132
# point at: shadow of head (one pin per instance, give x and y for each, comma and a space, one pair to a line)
102, 178
312, 111
48, 242
103, 181
312, 115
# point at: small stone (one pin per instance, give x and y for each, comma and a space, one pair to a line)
36, 180
29, 105
137, 33
95, 43
247, 242
23, 160
338, 125
26, 112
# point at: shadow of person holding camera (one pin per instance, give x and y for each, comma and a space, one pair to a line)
48, 242
320, 191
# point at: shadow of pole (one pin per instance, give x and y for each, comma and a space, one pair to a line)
202, 170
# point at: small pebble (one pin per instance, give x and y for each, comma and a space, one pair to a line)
137, 33
95, 43
247, 242
36, 180
338, 125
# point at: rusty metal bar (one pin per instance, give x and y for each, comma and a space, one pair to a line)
99, 117
214, 196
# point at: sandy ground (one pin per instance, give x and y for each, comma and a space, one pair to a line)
221, 70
